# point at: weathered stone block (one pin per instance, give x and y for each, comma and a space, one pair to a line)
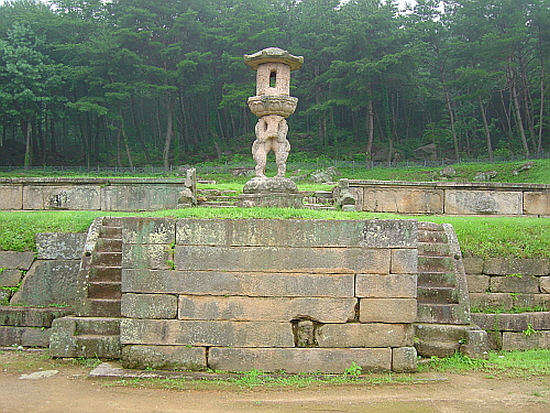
488, 300
365, 335
544, 285
373, 261
16, 260
474, 202
30, 316
512, 322
164, 357
504, 266
9, 278
11, 197
473, 265
149, 306
387, 310
299, 360
147, 256
477, 283
142, 197
386, 286
404, 360
521, 341
524, 284
148, 230
323, 310
60, 245
390, 233
536, 203
404, 261
71, 197
402, 200
49, 282
24, 336
206, 333
254, 284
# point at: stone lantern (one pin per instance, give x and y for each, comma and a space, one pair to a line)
272, 105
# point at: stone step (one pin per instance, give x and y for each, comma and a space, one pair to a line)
105, 274
437, 295
443, 314
104, 289
214, 204
96, 346
110, 232
108, 245
434, 249
106, 259
102, 326
437, 279
444, 340
320, 207
432, 236
112, 221
435, 264
430, 226
101, 307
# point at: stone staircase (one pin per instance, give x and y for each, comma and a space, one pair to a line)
443, 320
95, 331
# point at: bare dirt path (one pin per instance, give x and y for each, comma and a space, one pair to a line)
70, 390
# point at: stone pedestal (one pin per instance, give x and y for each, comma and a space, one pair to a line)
271, 192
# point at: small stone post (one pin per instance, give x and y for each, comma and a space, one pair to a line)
272, 104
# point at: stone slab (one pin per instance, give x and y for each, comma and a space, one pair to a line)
147, 256
386, 286
30, 316
254, 284
10, 278
164, 357
544, 285
524, 284
206, 333
24, 336
387, 310
404, 261
402, 200
353, 335
60, 245
488, 300
372, 261
503, 266
323, 310
477, 283
404, 360
140, 197
11, 197
473, 265
148, 230
472, 202
536, 203
512, 322
149, 306
49, 282
12, 260
299, 360
520, 341
61, 197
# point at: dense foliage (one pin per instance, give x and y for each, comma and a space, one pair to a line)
133, 82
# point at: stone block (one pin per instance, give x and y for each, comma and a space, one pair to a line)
323, 310
271, 200
365, 335
536, 203
300, 360
472, 202
372, 261
387, 310
401, 200
149, 306
11, 197
512, 322
147, 256
69, 197
544, 285
206, 333
477, 283
404, 360
9, 278
12, 260
164, 358
148, 230
386, 286
254, 284
504, 266
521, 341
473, 265
524, 284
49, 282
404, 261
491, 300
60, 245
140, 197
390, 233
24, 336
30, 316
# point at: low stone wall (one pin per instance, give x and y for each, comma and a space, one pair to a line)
292, 295
450, 198
105, 194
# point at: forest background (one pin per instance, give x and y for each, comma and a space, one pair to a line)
162, 82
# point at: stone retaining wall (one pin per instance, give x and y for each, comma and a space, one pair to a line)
451, 198
298, 296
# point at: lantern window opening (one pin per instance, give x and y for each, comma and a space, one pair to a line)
273, 79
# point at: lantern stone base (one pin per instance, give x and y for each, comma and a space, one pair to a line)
271, 192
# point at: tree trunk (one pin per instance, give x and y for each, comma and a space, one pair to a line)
169, 132
541, 113
487, 131
452, 120
27, 132
517, 108
370, 132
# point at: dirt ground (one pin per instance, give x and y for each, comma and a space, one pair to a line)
71, 390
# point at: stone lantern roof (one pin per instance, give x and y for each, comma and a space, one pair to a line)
273, 55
